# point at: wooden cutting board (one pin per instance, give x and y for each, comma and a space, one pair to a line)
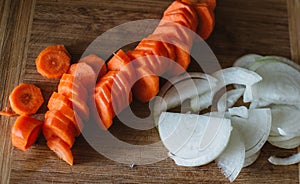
269, 27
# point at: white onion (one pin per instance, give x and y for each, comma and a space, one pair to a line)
251, 159
229, 98
294, 159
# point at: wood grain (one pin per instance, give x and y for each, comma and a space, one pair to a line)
241, 27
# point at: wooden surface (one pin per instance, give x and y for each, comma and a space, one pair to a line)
268, 27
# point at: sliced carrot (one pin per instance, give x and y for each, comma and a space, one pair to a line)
26, 99
53, 63
178, 18
211, 3
96, 63
55, 127
206, 20
25, 131
7, 112
60, 103
147, 86
58, 47
119, 60
105, 111
183, 60
85, 74
61, 149
188, 16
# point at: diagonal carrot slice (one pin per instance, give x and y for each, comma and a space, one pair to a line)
25, 132
61, 149
118, 61
96, 63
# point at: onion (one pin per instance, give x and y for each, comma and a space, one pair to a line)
251, 159
193, 140
229, 98
246, 60
294, 159
201, 102
231, 161
241, 111
254, 137
287, 144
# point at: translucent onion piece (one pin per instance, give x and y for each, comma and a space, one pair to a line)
279, 138
201, 102
181, 88
229, 98
231, 161
288, 144
241, 111
285, 120
246, 60
294, 159
255, 129
233, 75
193, 140
280, 84
251, 159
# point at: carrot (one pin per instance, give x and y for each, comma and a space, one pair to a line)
53, 61
7, 112
53, 126
61, 149
119, 60
179, 18
206, 20
26, 99
105, 111
96, 63
211, 3
60, 103
25, 131
147, 86
85, 74
185, 16
70, 87
58, 47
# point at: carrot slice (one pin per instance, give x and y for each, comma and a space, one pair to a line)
26, 99
60, 103
7, 112
53, 63
119, 60
211, 3
105, 111
189, 17
96, 63
55, 127
147, 86
85, 74
25, 132
178, 18
206, 20
61, 149
58, 47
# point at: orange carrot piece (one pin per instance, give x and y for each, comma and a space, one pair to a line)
25, 132
26, 99
85, 74
189, 17
55, 127
147, 86
206, 20
7, 112
105, 111
61, 149
60, 103
53, 63
211, 3
179, 18
58, 47
96, 63
118, 61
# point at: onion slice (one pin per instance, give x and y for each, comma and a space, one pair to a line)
246, 60
294, 159
229, 98
287, 144
231, 161
251, 159
193, 140
254, 137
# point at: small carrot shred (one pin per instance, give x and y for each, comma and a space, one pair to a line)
61, 149
53, 61
26, 99
7, 112
25, 132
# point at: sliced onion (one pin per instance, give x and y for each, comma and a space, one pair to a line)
280, 84
288, 144
193, 140
181, 88
241, 111
255, 129
246, 60
229, 98
231, 161
251, 159
279, 138
201, 102
255, 104
294, 159
233, 75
